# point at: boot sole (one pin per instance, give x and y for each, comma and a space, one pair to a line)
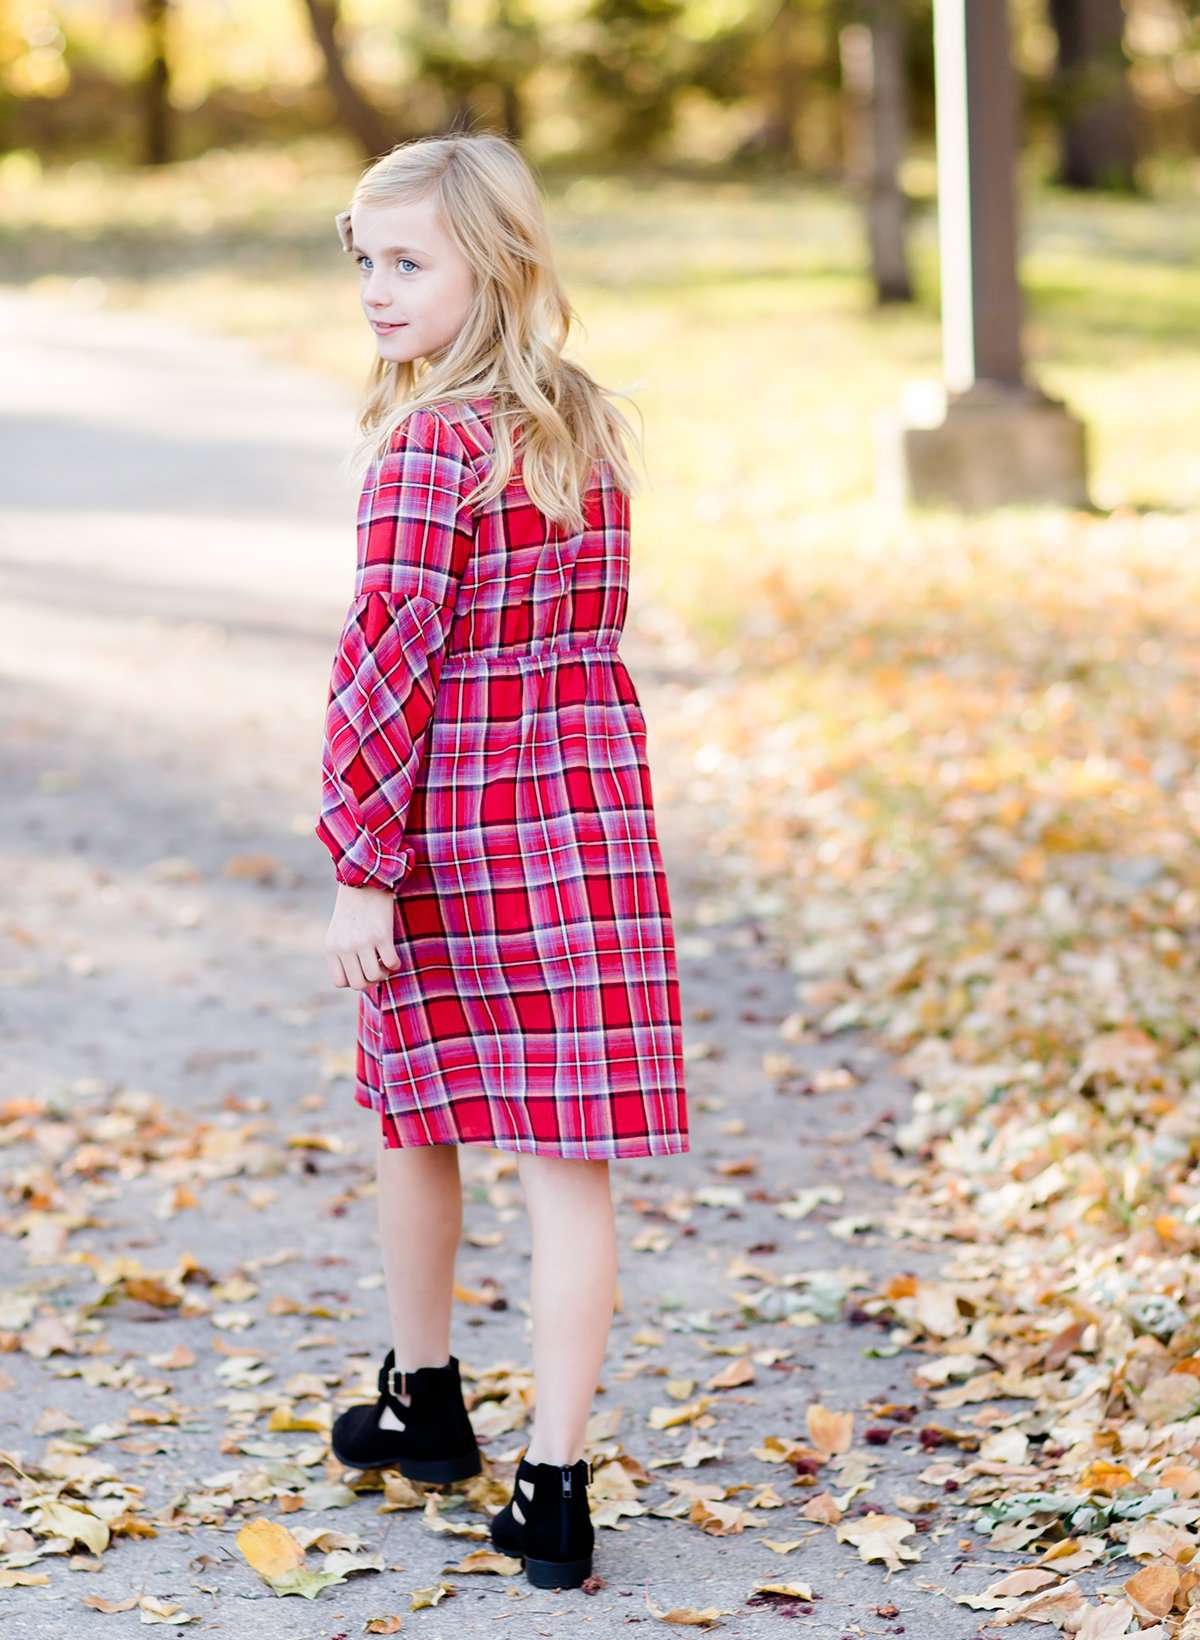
419, 1469
549, 1574
557, 1574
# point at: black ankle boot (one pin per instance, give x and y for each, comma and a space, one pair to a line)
437, 1442
556, 1537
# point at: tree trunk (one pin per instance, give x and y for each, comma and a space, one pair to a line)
513, 111
156, 108
872, 62
1097, 144
354, 111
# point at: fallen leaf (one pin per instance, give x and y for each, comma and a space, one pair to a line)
269, 1547
1152, 1590
429, 1596
1107, 1622
879, 1537
829, 1431
798, 1591
488, 1560
690, 1616
730, 1377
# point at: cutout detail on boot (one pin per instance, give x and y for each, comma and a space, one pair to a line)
516, 1508
389, 1419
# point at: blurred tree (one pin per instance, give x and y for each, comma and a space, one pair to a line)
434, 17
157, 130
636, 58
873, 59
483, 71
354, 109
1097, 148
513, 119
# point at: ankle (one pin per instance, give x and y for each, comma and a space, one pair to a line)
403, 1365
550, 1454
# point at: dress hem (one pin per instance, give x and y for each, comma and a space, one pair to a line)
582, 1150
620, 1155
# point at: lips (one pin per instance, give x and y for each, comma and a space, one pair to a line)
383, 325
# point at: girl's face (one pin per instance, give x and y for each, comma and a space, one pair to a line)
411, 276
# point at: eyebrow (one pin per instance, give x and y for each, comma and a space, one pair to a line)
392, 250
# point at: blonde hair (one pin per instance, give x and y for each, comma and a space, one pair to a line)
510, 345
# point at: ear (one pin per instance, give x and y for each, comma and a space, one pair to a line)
343, 227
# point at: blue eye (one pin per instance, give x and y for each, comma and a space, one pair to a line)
361, 259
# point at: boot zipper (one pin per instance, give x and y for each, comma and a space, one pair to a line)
566, 1475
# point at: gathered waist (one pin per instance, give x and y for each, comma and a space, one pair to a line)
466, 661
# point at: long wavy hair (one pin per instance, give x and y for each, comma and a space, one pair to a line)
511, 343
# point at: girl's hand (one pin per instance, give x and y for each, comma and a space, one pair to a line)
359, 941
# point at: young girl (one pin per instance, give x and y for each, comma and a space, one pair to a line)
501, 905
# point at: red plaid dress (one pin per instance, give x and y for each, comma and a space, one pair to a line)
485, 759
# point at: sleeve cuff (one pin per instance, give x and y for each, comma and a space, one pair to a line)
365, 864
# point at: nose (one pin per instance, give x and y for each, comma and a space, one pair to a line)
369, 298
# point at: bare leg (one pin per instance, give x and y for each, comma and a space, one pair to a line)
420, 1222
573, 1290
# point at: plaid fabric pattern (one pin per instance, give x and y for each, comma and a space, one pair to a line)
485, 759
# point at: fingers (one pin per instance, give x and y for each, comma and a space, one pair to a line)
364, 966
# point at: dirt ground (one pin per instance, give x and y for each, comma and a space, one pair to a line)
189, 1216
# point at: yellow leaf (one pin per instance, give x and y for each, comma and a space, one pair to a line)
720, 1519
282, 1417
878, 1537
798, 1591
775, 1449
488, 1560
730, 1376
691, 1616
153, 1610
830, 1431
60, 1520
474, 1295
269, 1547
316, 1141
429, 1597
668, 1417
1101, 1476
